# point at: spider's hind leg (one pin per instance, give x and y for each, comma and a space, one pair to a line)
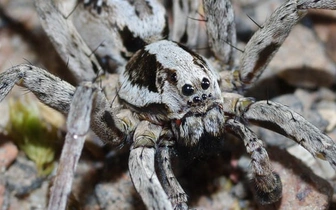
263, 45
265, 42
221, 30
267, 184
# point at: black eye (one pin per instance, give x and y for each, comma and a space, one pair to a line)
205, 83
187, 90
197, 99
173, 77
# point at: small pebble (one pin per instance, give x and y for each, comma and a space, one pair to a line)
8, 153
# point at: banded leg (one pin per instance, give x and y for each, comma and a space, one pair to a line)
172, 187
267, 184
142, 167
281, 119
78, 124
263, 45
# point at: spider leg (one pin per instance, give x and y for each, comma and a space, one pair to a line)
172, 187
56, 93
68, 42
78, 124
281, 119
263, 45
313, 4
221, 30
186, 27
142, 167
265, 42
62, 96
268, 187
51, 90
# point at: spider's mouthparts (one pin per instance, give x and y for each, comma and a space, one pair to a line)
199, 111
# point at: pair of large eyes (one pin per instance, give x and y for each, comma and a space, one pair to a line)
188, 89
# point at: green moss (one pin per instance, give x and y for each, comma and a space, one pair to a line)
33, 134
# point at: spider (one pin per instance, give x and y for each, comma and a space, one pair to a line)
164, 94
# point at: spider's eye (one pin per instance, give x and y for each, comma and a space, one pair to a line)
173, 77
197, 99
205, 83
187, 90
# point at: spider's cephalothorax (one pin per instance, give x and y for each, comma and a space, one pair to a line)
166, 82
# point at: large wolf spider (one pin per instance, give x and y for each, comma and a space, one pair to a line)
165, 94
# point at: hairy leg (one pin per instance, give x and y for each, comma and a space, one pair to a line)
263, 45
50, 89
85, 106
267, 184
281, 119
172, 187
67, 41
142, 166
185, 29
221, 30
58, 94
320, 4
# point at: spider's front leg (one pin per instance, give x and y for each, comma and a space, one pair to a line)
172, 187
268, 187
142, 167
267, 184
151, 142
281, 119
